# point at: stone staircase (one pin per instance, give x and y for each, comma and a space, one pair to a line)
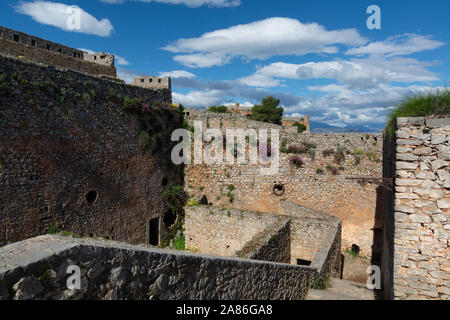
342, 290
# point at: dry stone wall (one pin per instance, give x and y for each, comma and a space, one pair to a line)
37, 269
421, 252
69, 158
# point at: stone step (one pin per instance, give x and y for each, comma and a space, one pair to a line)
342, 290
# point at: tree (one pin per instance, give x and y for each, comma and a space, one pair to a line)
268, 111
220, 109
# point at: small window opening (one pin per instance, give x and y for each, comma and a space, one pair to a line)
91, 197
150, 80
33, 43
164, 182
60, 50
301, 262
48, 47
159, 80
355, 249
16, 38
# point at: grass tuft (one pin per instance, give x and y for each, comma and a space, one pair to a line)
432, 103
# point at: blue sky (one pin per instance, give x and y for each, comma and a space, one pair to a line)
317, 57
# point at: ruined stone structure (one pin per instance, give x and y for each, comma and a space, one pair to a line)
37, 269
241, 114
71, 159
26, 47
290, 121
416, 227
153, 82
315, 185
300, 236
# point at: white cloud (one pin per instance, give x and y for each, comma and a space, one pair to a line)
261, 40
202, 60
177, 74
58, 15
403, 44
126, 75
189, 3
121, 61
198, 98
357, 73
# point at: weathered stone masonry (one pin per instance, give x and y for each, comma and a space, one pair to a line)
357, 205
68, 156
298, 236
37, 269
416, 263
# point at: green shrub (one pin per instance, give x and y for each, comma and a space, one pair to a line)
220, 109
300, 127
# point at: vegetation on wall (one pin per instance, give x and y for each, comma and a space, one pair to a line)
434, 103
300, 127
174, 198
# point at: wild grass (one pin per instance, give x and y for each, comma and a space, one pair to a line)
432, 103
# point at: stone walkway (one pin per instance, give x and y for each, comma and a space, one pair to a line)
342, 290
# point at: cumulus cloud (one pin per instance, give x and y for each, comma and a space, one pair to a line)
403, 44
126, 75
177, 74
357, 73
261, 40
189, 3
60, 15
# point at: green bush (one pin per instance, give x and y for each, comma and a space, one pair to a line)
300, 127
432, 103
220, 109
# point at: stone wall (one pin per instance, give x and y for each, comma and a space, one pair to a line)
153, 82
421, 251
357, 205
269, 245
37, 269
69, 158
53, 54
300, 233
225, 232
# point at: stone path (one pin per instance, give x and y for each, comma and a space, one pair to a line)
342, 290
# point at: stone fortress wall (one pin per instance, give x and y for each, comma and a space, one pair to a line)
152, 82
26, 47
69, 158
357, 205
416, 244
